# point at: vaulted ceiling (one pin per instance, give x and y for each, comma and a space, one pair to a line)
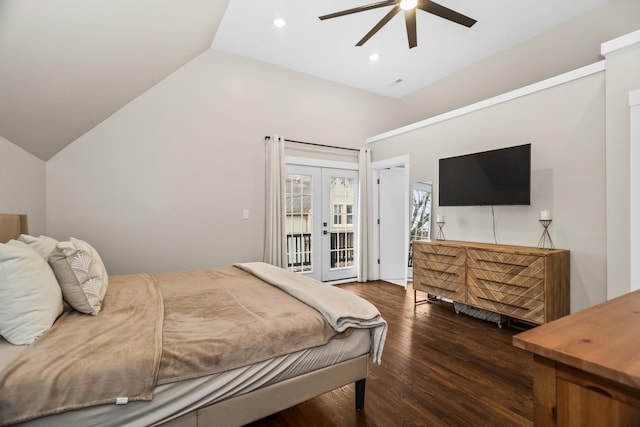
67, 65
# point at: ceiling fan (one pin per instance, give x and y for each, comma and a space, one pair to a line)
409, 7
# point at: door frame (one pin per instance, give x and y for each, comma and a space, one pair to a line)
399, 161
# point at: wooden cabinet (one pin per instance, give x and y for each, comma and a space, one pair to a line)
441, 270
525, 283
586, 370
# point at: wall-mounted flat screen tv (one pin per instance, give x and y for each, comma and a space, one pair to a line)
496, 177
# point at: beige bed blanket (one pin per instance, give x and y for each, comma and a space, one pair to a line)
341, 309
155, 329
89, 360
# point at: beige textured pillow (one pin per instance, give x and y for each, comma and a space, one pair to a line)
30, 298
42, 244
81, 274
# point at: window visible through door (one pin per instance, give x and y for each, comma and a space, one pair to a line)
420, 221
299, 217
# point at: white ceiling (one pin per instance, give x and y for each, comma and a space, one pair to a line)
327, 48
67, 65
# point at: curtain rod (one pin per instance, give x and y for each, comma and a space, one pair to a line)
316, 144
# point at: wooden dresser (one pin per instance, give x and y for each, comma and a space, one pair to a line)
587, 366
521, 282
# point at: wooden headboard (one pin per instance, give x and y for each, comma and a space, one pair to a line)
11, 226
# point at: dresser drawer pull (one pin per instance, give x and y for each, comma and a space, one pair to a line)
439, 254
504, 303
515, 285
440, 271
489, 261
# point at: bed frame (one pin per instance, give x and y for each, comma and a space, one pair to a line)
259, 403
276, 397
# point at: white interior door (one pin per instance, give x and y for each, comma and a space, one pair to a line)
321, 221
393, 225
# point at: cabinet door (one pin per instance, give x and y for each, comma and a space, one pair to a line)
592, 406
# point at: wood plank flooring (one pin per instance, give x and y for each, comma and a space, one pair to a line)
438, 369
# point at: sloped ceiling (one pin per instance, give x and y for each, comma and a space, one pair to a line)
66, 65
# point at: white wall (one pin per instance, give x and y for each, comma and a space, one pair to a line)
623, 76
569, 46
161, 185
566, 126
634, 187
22, 185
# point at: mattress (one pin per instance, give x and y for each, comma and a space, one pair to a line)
175, 399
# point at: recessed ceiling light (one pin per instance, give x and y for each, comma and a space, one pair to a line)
374, 57
279, 22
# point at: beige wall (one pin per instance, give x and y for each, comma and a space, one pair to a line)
161, 185
22, 185
566, 127
623, 76
569, 46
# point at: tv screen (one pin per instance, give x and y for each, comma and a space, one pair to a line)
496, 177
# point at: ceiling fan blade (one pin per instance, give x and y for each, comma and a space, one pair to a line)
410, 21
446, 13
359, 9
393, 12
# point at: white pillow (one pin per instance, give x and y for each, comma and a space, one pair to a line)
43, 244
81, 275
30, 298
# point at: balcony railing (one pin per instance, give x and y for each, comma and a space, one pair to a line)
299, 251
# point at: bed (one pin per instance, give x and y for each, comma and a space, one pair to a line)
177, 374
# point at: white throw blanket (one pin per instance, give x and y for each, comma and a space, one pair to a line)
340, 308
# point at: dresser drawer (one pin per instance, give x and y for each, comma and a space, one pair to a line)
507, 262
451, 290
505, 283
439, 253
439, 270
528, 309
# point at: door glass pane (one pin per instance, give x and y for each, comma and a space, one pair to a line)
420, 215
298, 222
341, 198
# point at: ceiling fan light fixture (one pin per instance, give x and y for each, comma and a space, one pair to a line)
410, 8
408, 4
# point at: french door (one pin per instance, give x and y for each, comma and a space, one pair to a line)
321, 221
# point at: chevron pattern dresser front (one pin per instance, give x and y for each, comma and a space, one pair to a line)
520, 282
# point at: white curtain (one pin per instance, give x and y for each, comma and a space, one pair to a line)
365, 223
274, 242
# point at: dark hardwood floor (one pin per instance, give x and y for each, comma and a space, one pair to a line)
438, 369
